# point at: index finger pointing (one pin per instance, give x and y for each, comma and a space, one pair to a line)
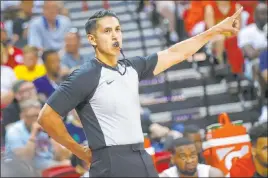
237, 13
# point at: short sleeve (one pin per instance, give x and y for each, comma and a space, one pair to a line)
78, 87
145, 65
34, 38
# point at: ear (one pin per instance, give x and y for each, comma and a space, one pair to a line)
253, 150
91, 39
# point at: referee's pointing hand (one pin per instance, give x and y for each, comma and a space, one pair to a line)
230, 24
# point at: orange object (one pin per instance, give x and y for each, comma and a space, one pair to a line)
243, 167
60, 171
148, 147
195, 14
234, 55
218, 15
226, 144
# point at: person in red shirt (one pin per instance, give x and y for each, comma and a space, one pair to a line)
14, 54
257, 164
215, 12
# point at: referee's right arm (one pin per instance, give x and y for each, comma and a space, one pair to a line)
67, 97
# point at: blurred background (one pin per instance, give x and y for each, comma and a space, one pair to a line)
43, 42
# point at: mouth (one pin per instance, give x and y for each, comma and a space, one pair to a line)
116, 44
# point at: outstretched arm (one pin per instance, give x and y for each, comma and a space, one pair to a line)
183, 50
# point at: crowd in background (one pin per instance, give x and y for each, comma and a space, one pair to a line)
40, 48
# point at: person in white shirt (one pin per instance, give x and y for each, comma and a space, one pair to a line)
185, 161
253, 40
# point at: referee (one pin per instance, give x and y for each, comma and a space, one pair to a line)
105, 93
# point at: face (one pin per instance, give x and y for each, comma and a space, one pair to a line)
30, 59
53, 64
50, 10
261, 151
3, 35
72, 43
261, 14
196, 138
26, 91
30, 115
186, 159
108, 31
27, 6
4, 55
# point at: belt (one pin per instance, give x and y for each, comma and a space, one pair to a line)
128, 147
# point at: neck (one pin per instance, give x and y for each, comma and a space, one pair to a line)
75, 55
260, 169
51, 77
106, 59
31, 68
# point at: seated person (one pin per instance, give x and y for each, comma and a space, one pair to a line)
253, 39
30, 70
255, 165
185, 161
26, 140
20, 24
14, 53
192, 133
264, 65
215, 12
48, 30
22, 91
72, 58
7, 79
47, 84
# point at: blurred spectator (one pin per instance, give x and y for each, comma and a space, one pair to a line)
26, 140
22, 91
17, 168
7, 79
264, 65
215, 12
14, 53
185, 159
9, 5
194, 21
257, 167
47, 84
253, 39
30, 70
167, 10
72, 58
48, 30
192, 133
20, 24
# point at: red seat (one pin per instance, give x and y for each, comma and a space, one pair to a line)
60, 171
162, 161
234, 55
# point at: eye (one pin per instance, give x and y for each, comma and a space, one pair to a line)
118, 29
107, 30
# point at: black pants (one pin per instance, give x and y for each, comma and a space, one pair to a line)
122, 161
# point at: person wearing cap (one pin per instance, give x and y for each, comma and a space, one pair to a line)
72, 58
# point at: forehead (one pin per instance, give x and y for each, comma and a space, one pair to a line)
33, 110
108, 22
27, 85
185, 149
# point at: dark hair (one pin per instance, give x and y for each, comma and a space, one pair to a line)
92, 21
180, 142
189, 129
257, 132
46, 53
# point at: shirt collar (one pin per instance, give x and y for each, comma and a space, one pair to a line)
46, 23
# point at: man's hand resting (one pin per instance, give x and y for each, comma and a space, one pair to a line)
84, 154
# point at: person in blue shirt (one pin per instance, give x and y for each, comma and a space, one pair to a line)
47, 84
26, 140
